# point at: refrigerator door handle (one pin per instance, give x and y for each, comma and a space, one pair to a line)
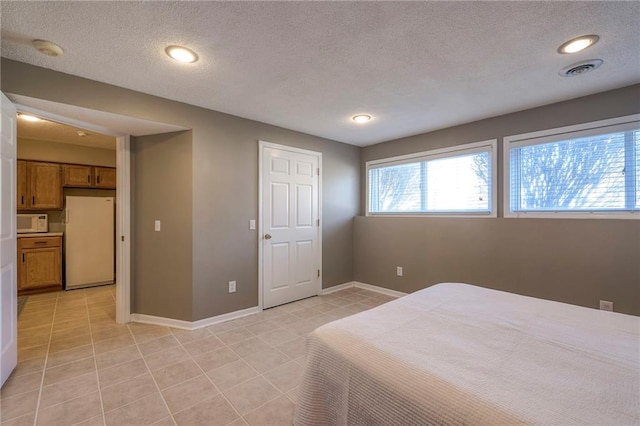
66, 215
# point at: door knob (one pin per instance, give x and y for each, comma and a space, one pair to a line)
267, 236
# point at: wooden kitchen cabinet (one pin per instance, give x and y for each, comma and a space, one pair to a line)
22, 192
39, 186
77, 175
82, 176
40, 260
105, 177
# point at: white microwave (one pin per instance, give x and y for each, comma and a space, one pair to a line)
32, 222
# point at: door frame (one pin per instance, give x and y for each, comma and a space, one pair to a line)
261, 146
8, 302
123, 205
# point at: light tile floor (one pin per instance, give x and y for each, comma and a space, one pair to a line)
76, 366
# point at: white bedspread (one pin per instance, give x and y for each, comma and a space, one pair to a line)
456, 354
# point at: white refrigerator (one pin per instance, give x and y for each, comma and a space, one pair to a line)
89, 241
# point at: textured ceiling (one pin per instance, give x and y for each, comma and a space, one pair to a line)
309, 66
55, 132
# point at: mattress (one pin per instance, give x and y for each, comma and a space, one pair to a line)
457, 354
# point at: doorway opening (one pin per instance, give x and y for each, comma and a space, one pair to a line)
91, 254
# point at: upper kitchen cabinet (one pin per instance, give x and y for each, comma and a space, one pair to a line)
23, 188
105, 177
81, 176
77, 175
39, 186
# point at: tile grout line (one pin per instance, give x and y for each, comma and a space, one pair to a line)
95, 361
241, 358
210, 333
151, 374
206, 375
46, 360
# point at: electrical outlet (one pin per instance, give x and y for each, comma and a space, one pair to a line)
157, 226
399, 271
605, 305
232, 286
252, 224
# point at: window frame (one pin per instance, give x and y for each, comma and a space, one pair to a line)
448, 152
559, 134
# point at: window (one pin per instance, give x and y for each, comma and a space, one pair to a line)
582, 171
452, 181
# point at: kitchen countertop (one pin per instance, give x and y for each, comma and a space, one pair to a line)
40, 234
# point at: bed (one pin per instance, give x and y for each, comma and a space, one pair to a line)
457, 354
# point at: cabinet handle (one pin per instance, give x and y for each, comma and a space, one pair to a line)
40, 242
88, 178
33, 199
98, 179
22, 257
22, 200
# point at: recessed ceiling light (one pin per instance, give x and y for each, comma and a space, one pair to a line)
182, 54
47, 48
361, 118
81, 133
27, 117
579, 43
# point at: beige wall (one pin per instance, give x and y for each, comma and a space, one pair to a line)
577, 261
31, 149
162, 271
225, 189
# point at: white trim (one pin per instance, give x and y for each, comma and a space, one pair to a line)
435, 153
264, 144
550, 135
123, 230
261, 145
338, 287
574, 128
193, 325
357, 284
381, 290
123, 206
468, 148
167, 322
226, 317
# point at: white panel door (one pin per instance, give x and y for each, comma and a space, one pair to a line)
290, 225
8, 264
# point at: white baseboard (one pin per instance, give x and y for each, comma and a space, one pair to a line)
337, 288
225, 317
167, 322
381, 290
374, 288
193, 325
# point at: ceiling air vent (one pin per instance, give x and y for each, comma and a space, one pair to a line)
580, 68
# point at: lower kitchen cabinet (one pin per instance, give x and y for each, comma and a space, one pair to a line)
40, 260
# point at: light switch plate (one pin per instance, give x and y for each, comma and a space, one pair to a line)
232, 286
252, 224
157, 225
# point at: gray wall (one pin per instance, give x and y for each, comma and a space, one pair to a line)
224, 176
577, 261
162, 272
